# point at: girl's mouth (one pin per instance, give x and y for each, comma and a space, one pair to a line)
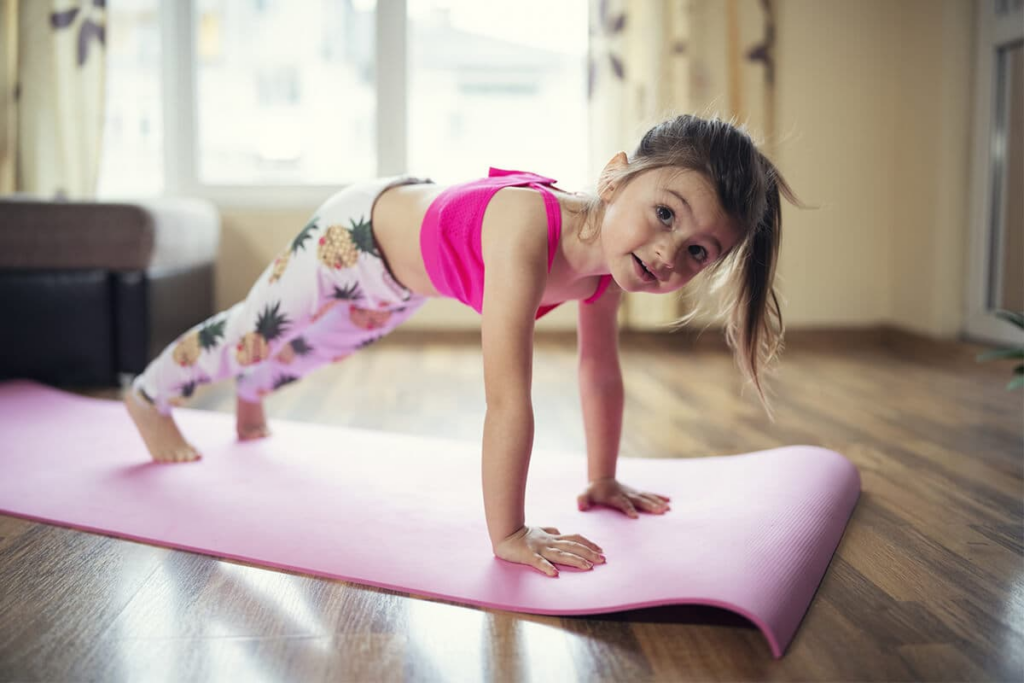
641, 270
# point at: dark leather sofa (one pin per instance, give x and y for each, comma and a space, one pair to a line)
91, 291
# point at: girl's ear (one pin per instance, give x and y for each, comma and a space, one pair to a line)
606, 188
617, 162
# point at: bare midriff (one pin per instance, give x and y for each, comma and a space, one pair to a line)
398, 216
396, 219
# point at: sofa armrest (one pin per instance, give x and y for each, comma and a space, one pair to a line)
186, 233
133, 276
44, 235
149, 235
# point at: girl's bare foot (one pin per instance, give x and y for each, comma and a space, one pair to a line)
251, 422
164, 441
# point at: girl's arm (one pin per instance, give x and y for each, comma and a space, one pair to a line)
601, 393
514, 282
600, 379
513, 286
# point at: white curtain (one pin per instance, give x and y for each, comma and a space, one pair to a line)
8, 95
655, 59
52, 78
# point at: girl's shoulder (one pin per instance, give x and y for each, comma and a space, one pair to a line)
516, 218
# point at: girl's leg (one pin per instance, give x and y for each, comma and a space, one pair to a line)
345, 329
161, 435
363, 302
211, 351
276, 309
170, 379
333, 260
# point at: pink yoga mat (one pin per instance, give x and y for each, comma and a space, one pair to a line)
752, 533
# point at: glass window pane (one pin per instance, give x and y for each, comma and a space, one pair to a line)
133, 152
498, 84
286, 91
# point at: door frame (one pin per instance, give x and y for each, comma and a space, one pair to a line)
993, 32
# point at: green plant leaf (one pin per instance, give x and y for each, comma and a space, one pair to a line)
1001, 353
1017, 383
1011, 317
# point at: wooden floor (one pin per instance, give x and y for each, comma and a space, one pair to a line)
927, 583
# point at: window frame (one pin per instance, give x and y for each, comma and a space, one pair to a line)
180, 112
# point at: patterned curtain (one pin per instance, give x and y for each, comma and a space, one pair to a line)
52, 78
654, 59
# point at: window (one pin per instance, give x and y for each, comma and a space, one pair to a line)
285, 92
132, 164
276, 100
498, 84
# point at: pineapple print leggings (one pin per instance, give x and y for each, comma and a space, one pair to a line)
327, 294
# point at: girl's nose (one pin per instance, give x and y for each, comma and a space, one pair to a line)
666, 256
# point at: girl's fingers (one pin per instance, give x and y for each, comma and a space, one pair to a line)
563, 557
644, 503
626, 505
584, 541
581, 550
656, 496
543, 565
651, 503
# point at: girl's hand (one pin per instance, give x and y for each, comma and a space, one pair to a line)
543, 548
611, 493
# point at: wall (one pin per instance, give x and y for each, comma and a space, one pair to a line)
873, 125
875, 98
929, 273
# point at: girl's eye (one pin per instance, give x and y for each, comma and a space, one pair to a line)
704, 251
667, 213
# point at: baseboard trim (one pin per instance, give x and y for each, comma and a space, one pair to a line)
900, 342
708, 339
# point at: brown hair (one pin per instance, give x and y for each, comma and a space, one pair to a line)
748, 187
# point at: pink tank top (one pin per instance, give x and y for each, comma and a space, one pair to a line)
450, 235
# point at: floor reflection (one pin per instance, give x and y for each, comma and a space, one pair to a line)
286, 595
443, 641
546, 650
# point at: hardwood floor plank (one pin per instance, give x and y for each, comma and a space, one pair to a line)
940, 662
11, 528
62, 590
835, 646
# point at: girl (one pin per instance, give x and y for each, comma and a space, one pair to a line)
696, 195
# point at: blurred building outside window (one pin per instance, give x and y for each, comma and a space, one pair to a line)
132, 163
286, 93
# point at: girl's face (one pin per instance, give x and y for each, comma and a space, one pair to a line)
662, 229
